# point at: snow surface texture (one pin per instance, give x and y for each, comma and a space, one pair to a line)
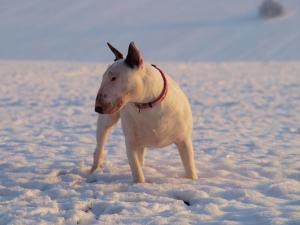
246, 140
164, 30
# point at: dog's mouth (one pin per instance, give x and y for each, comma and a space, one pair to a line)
109, 107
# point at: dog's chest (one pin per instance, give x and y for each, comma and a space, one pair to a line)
151, 127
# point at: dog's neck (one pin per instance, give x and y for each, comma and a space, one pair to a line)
152, 85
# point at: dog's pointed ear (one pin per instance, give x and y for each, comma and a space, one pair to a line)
134, 58
116, 52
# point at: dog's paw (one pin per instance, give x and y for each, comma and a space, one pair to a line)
93, 169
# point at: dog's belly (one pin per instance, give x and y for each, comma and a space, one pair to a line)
151, 133
156, 134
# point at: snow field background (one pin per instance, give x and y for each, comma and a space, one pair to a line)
197, 30
246, 140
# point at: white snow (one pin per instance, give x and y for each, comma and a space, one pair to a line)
246, 140
169, 30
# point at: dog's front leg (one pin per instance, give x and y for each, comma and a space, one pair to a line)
105, 124
134, 152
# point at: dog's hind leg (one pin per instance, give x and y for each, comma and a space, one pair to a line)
105, 124
134, 155
186, 153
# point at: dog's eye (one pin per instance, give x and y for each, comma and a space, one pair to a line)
113, 79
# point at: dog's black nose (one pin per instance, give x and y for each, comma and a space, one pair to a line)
99, 109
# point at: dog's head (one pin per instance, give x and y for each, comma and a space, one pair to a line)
121, 81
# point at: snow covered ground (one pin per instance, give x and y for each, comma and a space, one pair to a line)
169, 30
246, 140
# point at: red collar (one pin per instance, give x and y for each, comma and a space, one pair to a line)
160, 98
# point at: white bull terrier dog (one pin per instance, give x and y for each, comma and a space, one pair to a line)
153, 109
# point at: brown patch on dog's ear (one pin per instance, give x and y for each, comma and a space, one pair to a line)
116, 52
134, 57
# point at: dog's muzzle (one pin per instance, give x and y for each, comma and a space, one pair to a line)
99, 109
